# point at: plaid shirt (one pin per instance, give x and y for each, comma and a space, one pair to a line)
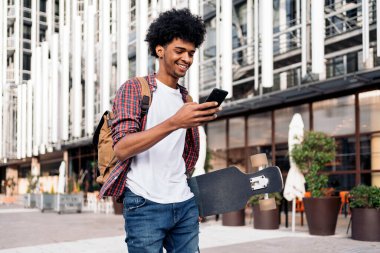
127, 110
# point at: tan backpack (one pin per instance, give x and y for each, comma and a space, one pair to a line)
102, 139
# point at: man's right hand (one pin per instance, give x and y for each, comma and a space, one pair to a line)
194, 114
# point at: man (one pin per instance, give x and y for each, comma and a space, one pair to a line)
155, 152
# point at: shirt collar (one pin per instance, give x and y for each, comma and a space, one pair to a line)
153, 84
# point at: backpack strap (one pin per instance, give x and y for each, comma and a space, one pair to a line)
145, 94
189, 98
107, 116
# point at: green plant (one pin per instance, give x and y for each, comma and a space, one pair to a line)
208, 167
32, 183
363, 196
11, 184
311, 156
254, 200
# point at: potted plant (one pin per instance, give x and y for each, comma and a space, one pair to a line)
365, 210
311, 156
265, 219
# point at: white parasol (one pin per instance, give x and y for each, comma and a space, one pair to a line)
295, 181
62, 178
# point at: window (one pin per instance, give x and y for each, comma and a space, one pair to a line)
27, 31
216, 143
26, 62
43, 5
259, 136
335, 116
236, 143
28, 3
369, 111
283, 117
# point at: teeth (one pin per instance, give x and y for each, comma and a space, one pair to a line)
182, 66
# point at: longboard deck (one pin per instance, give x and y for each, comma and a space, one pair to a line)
229, 189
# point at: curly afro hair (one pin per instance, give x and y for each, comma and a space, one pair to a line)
174, 24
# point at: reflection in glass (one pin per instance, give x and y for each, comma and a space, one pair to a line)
345, 155
259, 137
259, 129
283, 118
282, 157
216, 143
369, 111
236, 157
365, 152
236, 136
341, 182
335, 116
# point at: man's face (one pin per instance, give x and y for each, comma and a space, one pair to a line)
176, 57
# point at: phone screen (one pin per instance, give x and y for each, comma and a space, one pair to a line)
217, 95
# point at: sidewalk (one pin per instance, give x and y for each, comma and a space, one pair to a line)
27, 230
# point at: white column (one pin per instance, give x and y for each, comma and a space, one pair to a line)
365, 32
16, 37
23, 119
165, 5
3, 66
29, 119
44, 89
154, 8
217, 44
257, 42
318, 38
250, 32
141, 45
49, 18
19, 121
298, 21
303, 38
282, 23
54, 86
105, 70
114, 20
61, 14
267, 43
194, 69
65, 39
36, 79
283, 40
90, 71
378, 25
76, 81
122, 41
227, 46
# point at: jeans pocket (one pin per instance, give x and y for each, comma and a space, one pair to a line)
132, 201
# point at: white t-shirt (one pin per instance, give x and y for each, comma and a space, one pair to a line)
158, 174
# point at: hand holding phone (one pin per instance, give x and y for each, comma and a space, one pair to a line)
217, 95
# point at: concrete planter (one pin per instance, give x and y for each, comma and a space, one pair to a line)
366, 224
322, 214
268, 219
236, 218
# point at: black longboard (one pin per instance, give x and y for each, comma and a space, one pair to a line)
229, 189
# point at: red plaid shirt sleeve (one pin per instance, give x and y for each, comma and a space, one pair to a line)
127, 111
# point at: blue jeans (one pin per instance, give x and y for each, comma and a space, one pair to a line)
150, 226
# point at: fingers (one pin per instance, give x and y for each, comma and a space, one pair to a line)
206, 105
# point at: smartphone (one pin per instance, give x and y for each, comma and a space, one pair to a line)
217, 95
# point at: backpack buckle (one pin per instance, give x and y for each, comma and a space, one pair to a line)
145, 105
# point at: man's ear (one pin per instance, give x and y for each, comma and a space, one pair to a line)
160, 51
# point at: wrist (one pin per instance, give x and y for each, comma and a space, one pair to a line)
172, 124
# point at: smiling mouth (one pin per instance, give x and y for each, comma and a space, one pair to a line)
183, 67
